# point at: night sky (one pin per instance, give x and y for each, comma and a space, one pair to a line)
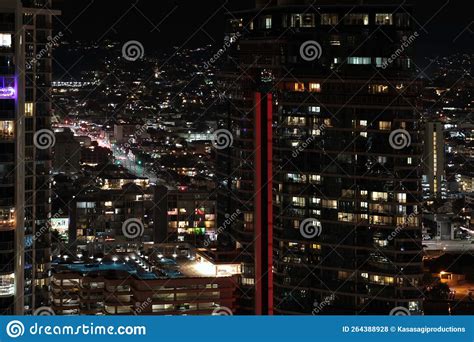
192, 23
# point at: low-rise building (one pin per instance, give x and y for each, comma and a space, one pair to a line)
163, 280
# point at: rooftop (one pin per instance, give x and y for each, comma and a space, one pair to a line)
161, 261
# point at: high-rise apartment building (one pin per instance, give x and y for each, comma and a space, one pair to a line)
434, 175
325, 161
25, 192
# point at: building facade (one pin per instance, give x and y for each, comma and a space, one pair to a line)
185, 215
67, 153
153, 283
325, 161
100, 216
434, 176
25, 108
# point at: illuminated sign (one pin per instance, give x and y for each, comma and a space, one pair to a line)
7, 93
8, 88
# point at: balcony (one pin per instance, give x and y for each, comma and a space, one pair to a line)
7, 225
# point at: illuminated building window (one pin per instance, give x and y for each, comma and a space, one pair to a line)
7, 130
343, 275
314, 87
346, 217
413, 306
296, 121
335, 40
299, 86
379, 196
237, 23
298, 201
359, 60
7, 285
29, 109
385, 125
378, 89
402, 198
248, 217
248, 281
380, 61
383, 19
381, 242
329, 204
314, 109
327, 122
329, 19
315, 179
267, 20
381, 280
380, 220
356, 19
302, 20
296, 178
347, 193
5, 40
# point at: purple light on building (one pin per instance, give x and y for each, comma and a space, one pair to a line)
8, 88
7, 93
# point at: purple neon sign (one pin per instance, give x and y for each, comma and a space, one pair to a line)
8, 88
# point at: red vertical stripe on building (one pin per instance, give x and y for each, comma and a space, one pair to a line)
270, 200
258, 205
